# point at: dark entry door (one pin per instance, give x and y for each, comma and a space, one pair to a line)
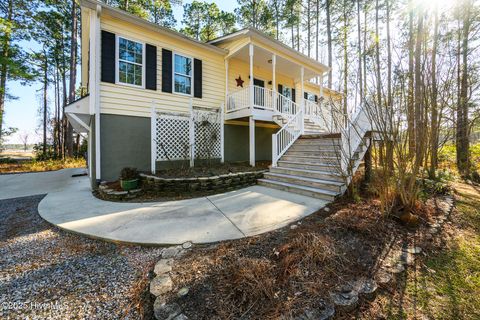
259, 92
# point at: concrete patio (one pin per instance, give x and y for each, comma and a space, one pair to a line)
70, 205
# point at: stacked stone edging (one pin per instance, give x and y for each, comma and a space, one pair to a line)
220, 183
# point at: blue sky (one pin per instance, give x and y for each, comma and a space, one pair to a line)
23, 112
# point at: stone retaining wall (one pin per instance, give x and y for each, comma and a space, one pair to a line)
209, 185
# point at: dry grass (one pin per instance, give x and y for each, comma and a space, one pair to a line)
283, 272
38, 166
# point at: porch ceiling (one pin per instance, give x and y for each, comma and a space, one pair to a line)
261, 58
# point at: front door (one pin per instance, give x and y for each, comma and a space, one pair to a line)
259, 92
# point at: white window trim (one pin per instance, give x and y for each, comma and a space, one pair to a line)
117, 60
173, 74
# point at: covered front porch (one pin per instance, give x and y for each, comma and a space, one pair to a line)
267, 86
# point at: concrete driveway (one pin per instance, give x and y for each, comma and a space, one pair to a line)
70, 205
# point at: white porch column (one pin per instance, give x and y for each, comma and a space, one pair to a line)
321, 87
226, 83
302, 97
250, 51
251, 134
274, 83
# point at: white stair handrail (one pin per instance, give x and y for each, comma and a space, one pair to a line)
286, 136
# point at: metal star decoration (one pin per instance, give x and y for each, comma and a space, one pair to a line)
239, 81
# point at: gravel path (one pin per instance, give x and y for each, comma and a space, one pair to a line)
48, 273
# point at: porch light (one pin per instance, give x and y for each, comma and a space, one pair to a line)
269, 61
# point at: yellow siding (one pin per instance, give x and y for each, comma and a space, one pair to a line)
127, 100
238, 67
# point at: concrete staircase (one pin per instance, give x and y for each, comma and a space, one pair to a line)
311, 166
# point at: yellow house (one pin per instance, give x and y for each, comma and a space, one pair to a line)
156, 97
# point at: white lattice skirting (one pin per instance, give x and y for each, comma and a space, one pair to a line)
176, 136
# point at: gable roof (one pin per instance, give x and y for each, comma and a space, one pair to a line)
256, 34
121, 14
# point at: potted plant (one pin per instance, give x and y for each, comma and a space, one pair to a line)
129, 178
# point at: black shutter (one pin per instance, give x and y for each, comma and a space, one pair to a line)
280, 89
108, 57
167, 70
294, 98
151, 67
305, 95
197, 78
316, 98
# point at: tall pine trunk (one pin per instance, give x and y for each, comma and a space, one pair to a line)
45, 101
419, 98
4, 66
329, 42
73, 76
434, 106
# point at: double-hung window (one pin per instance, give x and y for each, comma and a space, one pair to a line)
130, 62
182, 74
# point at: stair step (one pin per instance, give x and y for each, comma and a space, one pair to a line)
311, 159
317, 141
313, 153
334, 186
309, 166
303, 190
313, 147
309, 173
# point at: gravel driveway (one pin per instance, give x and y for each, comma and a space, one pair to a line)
48, 273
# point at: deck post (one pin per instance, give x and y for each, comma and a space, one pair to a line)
251, 135
274, 83
222, 134
321, 88
252, 100
153, 137
191, 135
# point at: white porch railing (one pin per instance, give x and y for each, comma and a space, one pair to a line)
263, 98
286, 136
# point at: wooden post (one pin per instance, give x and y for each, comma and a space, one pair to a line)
153, 137
222, 134
251, 131
368, 163
192, 135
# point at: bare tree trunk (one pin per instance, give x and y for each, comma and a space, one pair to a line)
345, 59
389, 106
410, 106
419, 98
434, 106
308, 29
4, 66
359, 35
329, 42
463, 161
45, 101
73, 76
317, 22
365, 8
377, 57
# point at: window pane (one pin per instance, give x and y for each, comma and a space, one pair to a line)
130, 51
183, 65
182, 84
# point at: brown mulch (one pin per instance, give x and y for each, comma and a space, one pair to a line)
283, 272
214, 169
